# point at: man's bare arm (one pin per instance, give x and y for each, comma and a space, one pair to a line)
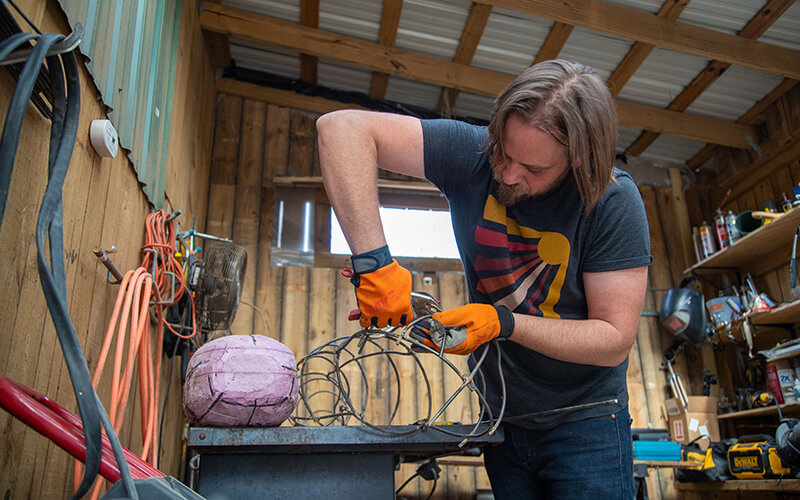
352, 144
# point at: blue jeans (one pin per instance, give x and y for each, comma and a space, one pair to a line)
590, 459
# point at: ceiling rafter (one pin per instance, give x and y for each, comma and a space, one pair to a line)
288, 98
309, 16
644, 27
554, 42
750, 117
219, 47
361, 53
470, 37
387, 35
754, 28
670, 9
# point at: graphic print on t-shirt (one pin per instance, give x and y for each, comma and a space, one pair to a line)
517, 266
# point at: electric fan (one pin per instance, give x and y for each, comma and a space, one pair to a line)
217, 281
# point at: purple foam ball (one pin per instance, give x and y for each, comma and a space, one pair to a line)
240, 381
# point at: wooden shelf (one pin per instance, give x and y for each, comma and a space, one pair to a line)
743, 485
758, 412
763, 241
783, 314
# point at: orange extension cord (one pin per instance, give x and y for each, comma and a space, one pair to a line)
137, 290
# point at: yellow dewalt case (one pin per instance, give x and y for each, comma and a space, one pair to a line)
755, 457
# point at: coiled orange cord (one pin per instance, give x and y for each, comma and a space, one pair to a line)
159, 273
159, 248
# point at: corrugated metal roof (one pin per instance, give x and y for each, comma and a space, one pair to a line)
510, 43
416, 29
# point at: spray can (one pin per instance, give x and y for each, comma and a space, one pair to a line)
733, 228
698, 244
721, 229
708, 240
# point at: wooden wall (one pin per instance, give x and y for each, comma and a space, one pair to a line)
304, 307
103, 205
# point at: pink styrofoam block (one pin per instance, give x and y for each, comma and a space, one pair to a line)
241, 381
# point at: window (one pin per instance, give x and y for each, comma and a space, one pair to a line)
409, 233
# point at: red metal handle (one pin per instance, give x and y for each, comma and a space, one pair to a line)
64, 428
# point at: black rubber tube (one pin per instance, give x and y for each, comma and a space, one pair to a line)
65, 86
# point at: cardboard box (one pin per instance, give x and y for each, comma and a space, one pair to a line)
700, 418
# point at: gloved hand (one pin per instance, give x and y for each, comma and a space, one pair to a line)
383, 289
465, 328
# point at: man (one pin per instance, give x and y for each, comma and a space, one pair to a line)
555, 247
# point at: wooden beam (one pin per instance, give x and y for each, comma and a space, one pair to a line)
643, 27
439, 72
761, 169
470, 37
309, 16
751, 116
759, 23
287, 98
554, 42
219, 48
353, 51
390, 20
670, 9
682, 124
316, 181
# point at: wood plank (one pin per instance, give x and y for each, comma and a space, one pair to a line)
247, 206
390, 20
294, 325
383, 184
470, 37
649, 338
682, 216
346, 302
683, 125
636, 55
218, 46
277, 143
309, 16
554, 42
760, 169
321, 328
671, 34
76, 214
301, 144
226, 140
460, 480
269, 279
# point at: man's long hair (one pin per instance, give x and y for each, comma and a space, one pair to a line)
570, 102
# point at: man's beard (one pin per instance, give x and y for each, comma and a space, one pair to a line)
509, 195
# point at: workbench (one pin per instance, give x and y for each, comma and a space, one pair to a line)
317, 462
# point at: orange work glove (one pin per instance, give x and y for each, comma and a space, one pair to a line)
465, 328
383, 289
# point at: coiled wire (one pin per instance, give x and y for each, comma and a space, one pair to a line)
323, 373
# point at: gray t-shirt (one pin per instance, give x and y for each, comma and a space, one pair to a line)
531, 258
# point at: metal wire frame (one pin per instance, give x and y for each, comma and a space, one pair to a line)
340, 353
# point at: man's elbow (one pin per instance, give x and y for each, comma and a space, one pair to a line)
337, 120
